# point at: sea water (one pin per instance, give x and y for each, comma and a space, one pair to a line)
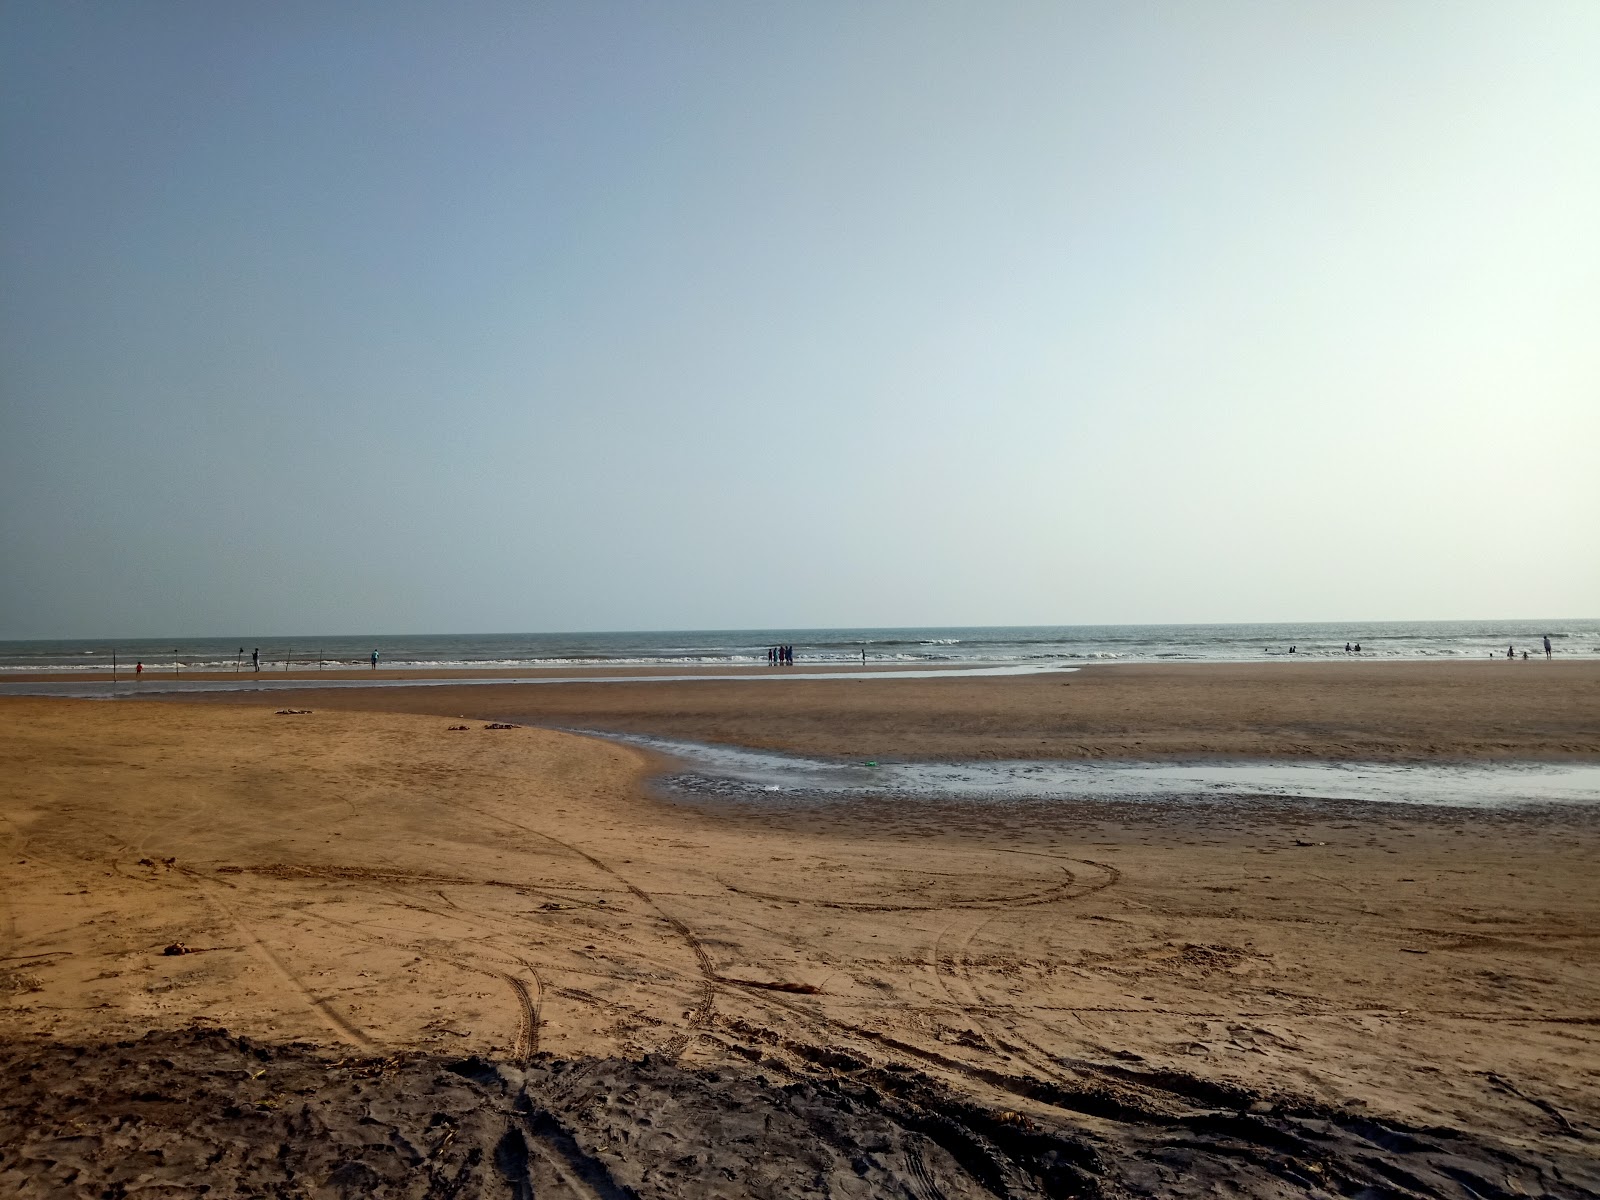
1038, 645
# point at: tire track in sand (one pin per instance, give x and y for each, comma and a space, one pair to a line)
704, 1012
525, 1041
921, 1177
525, 1038
952, 968
346, 1029
1046, 895
1029, 1051
525, 1044
1068, 1070
949, 968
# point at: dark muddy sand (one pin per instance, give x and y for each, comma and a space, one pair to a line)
157, 1115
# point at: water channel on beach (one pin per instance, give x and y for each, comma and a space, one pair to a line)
708, 770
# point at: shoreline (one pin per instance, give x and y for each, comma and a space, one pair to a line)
406, 674
384, 675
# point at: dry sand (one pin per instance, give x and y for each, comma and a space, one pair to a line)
487, 962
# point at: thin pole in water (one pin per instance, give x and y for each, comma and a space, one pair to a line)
175, 663
113, 670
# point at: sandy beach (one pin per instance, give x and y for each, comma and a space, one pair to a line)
503, 936
850, 602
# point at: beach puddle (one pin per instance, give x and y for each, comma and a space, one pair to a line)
752, 774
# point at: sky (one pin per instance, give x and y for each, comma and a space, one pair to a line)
404, 317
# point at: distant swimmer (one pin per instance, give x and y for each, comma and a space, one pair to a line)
1524, 656
1510, 653
1291, 649
1547, 645
1347, 647
1358, 647
864, 652
255, 659
374, 660
138, 668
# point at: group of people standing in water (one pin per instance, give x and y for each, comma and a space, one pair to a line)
780, 656
1511, 651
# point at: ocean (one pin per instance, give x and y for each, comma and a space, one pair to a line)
1031, 645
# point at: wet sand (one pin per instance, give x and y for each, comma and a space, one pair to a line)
468, 961
1346, 711
154, 678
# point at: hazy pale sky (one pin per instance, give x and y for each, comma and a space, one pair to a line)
399, 317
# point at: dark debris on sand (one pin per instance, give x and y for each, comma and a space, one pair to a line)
200, 1112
